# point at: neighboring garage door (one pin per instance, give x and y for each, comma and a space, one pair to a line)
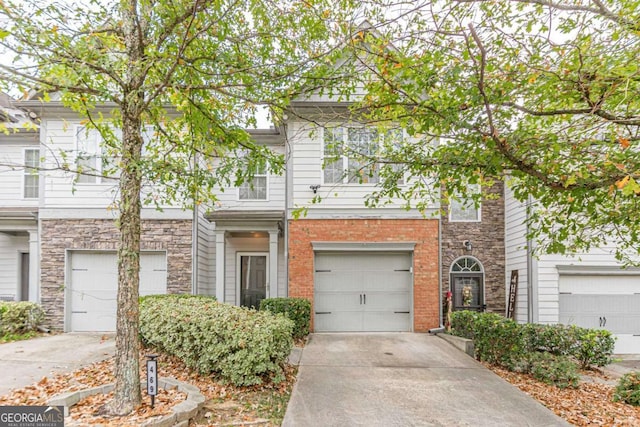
604, 302
94, 287
362, 291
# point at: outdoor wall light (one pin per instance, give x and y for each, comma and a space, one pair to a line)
467, 245
314, 188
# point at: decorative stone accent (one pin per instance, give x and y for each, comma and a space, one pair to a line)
423, 232
487, 239
59, 235
181, 414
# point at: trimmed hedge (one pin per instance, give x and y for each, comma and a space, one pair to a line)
18, 317
296, 309
240, 345
503, 341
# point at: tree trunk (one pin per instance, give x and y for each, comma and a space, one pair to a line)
127, 394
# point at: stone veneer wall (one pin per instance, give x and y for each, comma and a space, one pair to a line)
425, 257
58, 235
487, 238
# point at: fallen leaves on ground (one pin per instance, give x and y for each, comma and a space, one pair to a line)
590, 404
262, 405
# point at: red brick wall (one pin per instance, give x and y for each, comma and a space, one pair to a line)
425, 261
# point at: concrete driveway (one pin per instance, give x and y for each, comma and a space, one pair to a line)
403, 379
25, 362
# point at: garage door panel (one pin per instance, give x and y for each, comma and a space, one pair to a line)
387, 280
339, 281
389, 301
94, 287
345, 321
362, 291
337, 301
386, 321
603, 302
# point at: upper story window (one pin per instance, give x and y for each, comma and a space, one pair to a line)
91, 160
257, 188
31, 178
350, 154
465, 210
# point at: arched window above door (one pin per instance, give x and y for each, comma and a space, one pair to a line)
466, 264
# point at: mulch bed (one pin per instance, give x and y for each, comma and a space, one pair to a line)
591, 404
226, 404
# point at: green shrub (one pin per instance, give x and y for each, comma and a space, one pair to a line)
177, 296
20, 317
240, 345
497, 339
628, 389
552, 369
593, 347
296, 309
463, 322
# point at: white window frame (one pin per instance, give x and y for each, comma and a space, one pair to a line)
470, 207
264, 175
98, 154
29, 172
346, 178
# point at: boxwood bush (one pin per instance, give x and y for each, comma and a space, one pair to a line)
240, 345
296, 309
503, 341
18, 317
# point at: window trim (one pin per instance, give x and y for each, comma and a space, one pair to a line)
345, 158
98, 178
478, 209
27, 172
481, 275
266, 175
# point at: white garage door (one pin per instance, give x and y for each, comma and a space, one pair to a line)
604, 302
362, 292
94, 287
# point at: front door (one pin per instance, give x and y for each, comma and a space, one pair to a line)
253, 271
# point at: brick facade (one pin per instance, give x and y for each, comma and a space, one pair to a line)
58, 235
424, 232
487, 239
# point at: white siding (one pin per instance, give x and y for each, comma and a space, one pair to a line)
306, 168
10, 249
206, 258
11, 172
228, 199
516, 252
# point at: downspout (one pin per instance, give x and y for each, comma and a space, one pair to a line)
529, 266
440, 311
287, 172
194, 234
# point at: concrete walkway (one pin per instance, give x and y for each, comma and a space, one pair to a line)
403, 380
25, 362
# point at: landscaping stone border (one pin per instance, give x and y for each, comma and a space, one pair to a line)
181, 414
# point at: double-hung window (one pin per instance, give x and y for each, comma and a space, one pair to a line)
256, 188
464, 209
356, 154
91, 161
31, 179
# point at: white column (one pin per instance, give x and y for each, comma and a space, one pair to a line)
273, 264
34, 267
220, 249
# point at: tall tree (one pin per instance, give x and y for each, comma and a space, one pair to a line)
544, 92
191, 70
